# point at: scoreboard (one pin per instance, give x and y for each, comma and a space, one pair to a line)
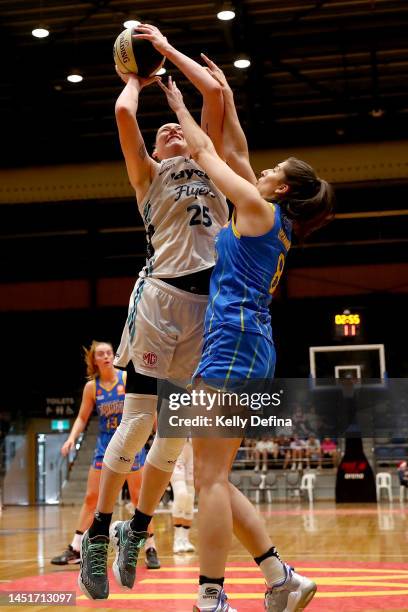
347, 325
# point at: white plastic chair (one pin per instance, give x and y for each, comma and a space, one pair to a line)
257, 481
383, 481
269, 484
292, 484
307, 484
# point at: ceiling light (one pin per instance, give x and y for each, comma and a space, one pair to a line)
75, 77
161, 71
377, 112
242, 62
131, 23
226, 15
40, 33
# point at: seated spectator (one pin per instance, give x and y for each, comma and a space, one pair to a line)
403, 473
249, 444
284, 453
243, 453
329, 450
297, 449
313, 451
263, 448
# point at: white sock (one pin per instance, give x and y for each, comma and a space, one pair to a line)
272, 570
185, 533
76, 542
208, 595
178, 533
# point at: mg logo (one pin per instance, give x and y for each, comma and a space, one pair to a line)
150, 359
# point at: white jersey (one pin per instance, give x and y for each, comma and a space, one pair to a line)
182, 211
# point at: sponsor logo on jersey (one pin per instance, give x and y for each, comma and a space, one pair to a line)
166, 167
121, 389
196, 189
284, 239
111, 408
188, 173
150, 359
99, 392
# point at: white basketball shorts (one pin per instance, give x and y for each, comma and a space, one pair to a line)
163, 333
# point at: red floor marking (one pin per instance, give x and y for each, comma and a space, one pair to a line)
334, 594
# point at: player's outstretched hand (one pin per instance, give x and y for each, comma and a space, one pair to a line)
216, 72
141, 81
147, 31
173, 94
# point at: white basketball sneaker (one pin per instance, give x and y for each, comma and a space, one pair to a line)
220, 605
188, 546
178, 542
293, 594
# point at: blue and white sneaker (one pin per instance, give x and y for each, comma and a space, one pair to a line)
293, 594
220, 605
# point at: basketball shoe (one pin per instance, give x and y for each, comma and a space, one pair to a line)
68, 557
188, 546
293, 594
93, 573
220, 605
151, 558
127, 544
178, 543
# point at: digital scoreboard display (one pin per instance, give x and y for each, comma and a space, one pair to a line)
347, 325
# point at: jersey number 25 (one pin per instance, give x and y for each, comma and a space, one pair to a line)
200, 215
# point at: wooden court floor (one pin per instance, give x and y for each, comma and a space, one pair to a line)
358, 556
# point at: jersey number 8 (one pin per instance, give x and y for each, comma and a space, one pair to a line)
278, 273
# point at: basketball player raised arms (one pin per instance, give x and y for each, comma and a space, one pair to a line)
238, 342
182, 211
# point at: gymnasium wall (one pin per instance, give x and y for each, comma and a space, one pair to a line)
44, 358
336, 163
72, 245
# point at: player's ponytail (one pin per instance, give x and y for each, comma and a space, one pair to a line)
309, 201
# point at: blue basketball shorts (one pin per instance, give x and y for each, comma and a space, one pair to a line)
230, 356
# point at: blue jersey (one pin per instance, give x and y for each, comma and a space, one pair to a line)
109, 404
246, 274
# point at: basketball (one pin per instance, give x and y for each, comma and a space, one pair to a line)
136, 55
